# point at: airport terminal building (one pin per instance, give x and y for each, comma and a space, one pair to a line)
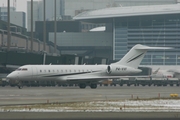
156, 25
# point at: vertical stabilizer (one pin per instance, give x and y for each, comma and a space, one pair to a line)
134, 57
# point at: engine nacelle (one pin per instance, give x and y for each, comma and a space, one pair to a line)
121, 70
109, 69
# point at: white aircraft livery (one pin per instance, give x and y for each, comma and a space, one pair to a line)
83, 75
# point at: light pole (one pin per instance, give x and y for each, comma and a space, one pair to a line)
8, 28
31, 25
44, 28
55, 28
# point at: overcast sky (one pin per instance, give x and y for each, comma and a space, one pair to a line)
21, 5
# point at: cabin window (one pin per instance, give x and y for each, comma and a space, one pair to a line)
57, 70
61, 70
69, 70
49, 70
44, 70
40, 70
53, 70
74, 70
66, 70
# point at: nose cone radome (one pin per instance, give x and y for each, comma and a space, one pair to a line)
11, 76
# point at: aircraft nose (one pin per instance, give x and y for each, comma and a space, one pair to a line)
11, 76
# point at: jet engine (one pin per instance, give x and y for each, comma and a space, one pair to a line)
109, 69
121, 70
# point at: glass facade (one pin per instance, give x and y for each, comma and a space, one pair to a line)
151, 30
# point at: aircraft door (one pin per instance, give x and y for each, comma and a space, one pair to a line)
34, 72
17, 77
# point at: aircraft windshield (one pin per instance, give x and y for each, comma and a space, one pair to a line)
24, 69
21, 69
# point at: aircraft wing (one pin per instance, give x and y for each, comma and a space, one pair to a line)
98, 78
177, 71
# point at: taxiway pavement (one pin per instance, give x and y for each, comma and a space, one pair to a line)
31, 95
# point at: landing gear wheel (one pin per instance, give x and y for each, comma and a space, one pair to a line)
82, 85
93, 86
20, 85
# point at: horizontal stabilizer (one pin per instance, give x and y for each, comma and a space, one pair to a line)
152, 48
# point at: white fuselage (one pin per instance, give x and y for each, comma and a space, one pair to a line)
63, 72
84, 74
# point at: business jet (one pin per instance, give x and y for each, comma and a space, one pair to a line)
84, 75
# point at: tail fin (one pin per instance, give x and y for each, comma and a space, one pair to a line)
134, 57
155, 72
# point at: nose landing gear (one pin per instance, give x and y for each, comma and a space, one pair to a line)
20, 85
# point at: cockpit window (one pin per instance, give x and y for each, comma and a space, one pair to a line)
24, 69
18, 69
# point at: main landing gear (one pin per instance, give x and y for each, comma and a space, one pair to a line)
93, 86
83, 85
